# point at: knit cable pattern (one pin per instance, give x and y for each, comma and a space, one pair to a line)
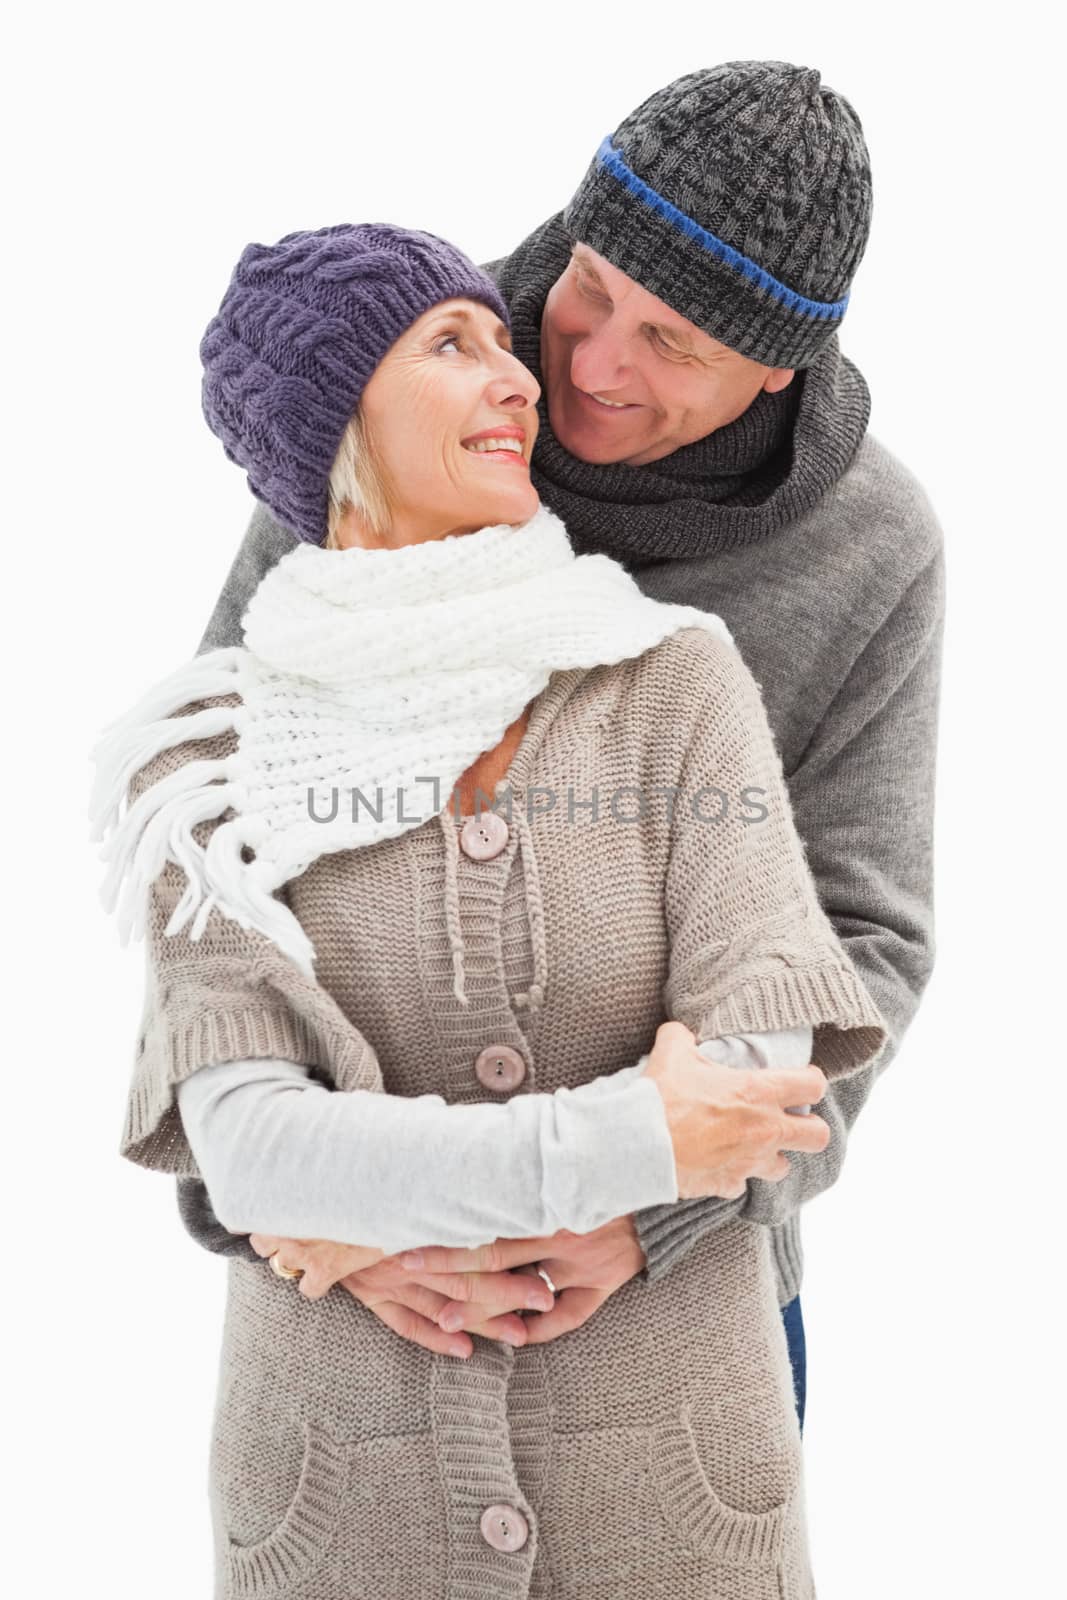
297, 337
741, 196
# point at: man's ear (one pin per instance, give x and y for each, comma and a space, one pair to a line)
779, 378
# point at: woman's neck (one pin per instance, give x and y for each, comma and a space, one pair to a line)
355, 532
485, 773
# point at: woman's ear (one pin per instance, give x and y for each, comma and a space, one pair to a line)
354, 527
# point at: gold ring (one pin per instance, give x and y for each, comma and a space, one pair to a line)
283, 1271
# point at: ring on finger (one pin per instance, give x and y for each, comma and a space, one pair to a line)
541, 1273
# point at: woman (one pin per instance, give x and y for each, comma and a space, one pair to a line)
341, 920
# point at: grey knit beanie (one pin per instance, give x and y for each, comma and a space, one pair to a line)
299, 333
740, 195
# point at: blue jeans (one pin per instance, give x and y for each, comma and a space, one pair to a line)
794, 1334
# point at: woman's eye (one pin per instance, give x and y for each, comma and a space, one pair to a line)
450, 338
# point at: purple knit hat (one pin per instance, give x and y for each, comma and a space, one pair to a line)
299, 333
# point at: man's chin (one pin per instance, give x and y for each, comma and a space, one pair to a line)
584, 442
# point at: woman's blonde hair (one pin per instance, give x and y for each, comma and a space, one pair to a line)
357, 478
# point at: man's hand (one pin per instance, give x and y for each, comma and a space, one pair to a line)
484, 1289
585, 1267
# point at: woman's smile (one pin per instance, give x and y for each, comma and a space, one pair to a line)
506, 443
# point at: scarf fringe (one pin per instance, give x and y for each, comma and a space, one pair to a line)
128, 743
158, 827
217, 876
125, 752
213, 672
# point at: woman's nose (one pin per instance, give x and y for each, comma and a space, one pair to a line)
515, 385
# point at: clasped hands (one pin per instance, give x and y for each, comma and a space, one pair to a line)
438, 1297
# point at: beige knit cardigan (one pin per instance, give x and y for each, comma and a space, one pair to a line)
655, 1450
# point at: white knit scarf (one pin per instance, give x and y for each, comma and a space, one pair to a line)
387, 672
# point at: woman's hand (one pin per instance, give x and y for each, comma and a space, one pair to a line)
322, 1261
728, 1126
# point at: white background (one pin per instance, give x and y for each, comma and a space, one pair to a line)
145, 146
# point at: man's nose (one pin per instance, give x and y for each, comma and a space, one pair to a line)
598, 361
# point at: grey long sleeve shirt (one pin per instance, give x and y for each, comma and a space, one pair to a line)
281, 1154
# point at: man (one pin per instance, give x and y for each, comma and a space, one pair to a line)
700, 424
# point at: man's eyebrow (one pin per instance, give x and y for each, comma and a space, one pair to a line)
578, 254
678, 335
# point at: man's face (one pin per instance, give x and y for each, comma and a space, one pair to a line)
606, 339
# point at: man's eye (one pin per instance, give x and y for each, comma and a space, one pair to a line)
669, 349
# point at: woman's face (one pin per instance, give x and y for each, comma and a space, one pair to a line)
448, 382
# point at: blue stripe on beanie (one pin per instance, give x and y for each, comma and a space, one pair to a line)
609, 158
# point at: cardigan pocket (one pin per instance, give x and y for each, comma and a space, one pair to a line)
367, 1517
295, 1548
631, 1511
710, 1528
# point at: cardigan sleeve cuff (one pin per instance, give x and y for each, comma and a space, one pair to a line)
171, 1049
167, 1053
666, 1233
849, 1031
